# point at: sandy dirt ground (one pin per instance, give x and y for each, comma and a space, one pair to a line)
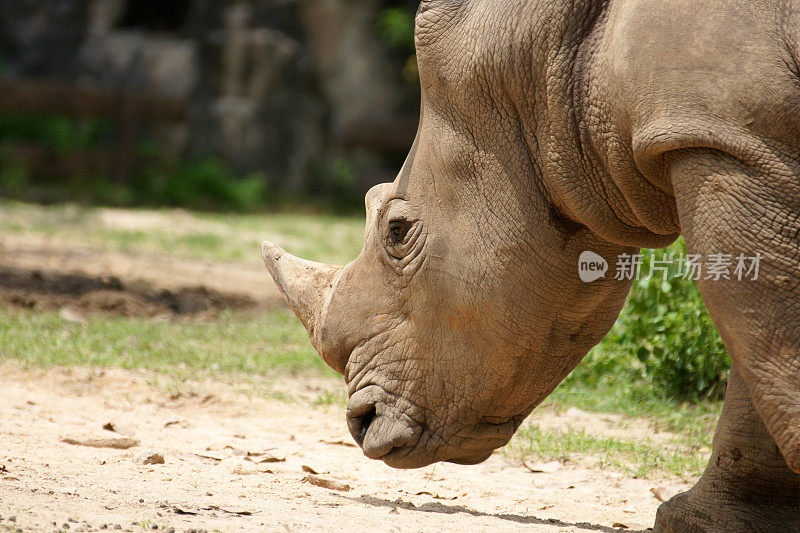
237, 461
234, 459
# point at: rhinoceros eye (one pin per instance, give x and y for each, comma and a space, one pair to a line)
403, 236
398, 229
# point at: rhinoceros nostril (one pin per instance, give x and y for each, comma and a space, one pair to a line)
363, 422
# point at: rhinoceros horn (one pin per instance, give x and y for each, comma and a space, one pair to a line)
305, 284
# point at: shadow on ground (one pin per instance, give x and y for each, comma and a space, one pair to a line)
436, 507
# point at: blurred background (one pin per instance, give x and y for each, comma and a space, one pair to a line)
205, 104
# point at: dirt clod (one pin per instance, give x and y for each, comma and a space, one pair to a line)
118, 428
154, 459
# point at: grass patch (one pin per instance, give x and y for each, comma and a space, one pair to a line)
268, 344
640, 458
209, 236
614, 394
331, 398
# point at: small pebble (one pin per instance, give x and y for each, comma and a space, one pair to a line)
117, 526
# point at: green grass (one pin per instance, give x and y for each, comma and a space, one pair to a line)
216, 237
636, 458
268, 344
616, 394
329, 398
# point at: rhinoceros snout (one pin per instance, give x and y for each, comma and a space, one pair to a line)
382, 429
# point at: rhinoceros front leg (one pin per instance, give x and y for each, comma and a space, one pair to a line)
746, 487
749, 206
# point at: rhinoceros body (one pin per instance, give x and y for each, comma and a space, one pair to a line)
550, 129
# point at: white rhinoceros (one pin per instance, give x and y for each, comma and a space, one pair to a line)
551, 128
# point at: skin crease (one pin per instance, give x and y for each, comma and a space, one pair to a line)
550, 128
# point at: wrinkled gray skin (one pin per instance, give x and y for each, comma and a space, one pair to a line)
549, 128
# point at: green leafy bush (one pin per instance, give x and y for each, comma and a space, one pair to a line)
395, 26
14, 175
664, 342
61, 134
203, 184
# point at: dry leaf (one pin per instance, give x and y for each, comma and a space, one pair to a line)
266, 457
435, 496
308, 469
235, 451
204, 456
121, 443
662, 494
229, 511
538, 467
326, 483
338, 443
619, 525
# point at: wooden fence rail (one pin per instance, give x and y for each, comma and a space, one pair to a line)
130, 110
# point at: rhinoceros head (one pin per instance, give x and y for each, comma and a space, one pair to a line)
465, 307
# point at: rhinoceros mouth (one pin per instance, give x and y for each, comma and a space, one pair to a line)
382, 423
391, 428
